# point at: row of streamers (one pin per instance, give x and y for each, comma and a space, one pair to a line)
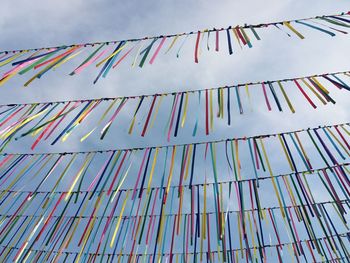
238, 159
120, 203
108, 55
232, 255
57, 121
98, 224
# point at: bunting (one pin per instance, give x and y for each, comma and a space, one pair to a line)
232, 254
108, 55
120, 203
329, 144
57, 121
53, 227
213, 201
102, 210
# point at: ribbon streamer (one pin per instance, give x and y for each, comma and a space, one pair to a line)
41, 120
327, 24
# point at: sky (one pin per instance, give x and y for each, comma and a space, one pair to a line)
277, 56
45, 23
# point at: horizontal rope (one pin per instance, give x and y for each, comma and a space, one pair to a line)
311, 171
344, 201
189, 253
261, 25
179, 145
178, 92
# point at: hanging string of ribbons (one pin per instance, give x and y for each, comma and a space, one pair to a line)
303, 149
145, 212
131, 203
9, 191
108, 55
58, 230
58, 120
233, 255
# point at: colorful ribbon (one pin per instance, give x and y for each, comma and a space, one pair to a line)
42, 120
56, 56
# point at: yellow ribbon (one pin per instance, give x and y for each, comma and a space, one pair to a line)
7, 134
172, 44
287, 24
152, 170
112, 55
314, 92
68, 58
3, 63
240, 234
80, 119
285, 152
171, 169
341, 218
188, 161
249, 98
156, 110
221, 91
14, 72
320, 85
236, 36
301, 146
286, 97
185, 110
89, 156
134, 118
272, 177
345, 130
63, 173
119, 219
120, 183
237, 160
252, 235
100, 120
